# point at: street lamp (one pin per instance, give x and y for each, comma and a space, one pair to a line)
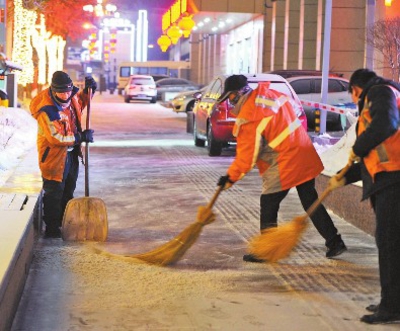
99, 10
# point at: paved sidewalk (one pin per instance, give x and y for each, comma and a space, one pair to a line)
152, 181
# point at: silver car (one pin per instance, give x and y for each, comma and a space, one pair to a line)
167, 88
308, 88
184, 101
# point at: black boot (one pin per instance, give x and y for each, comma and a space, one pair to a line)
52, 232
373, 308
381, 317
252, 258
336, 247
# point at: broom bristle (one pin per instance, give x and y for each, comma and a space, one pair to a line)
166, 254
173, 250
275, 244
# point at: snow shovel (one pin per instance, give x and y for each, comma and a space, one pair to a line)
85, 218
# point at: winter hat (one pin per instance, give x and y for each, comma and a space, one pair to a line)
61, 82
233, 83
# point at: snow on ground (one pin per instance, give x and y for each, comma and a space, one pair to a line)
17, 136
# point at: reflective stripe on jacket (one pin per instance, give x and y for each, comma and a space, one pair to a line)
385, 156
270, 135
55, 133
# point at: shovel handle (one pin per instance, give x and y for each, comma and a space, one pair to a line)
328, 190
87, 144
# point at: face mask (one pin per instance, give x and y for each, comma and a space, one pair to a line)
63, 103
239, 94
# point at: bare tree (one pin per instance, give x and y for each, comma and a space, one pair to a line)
384, 36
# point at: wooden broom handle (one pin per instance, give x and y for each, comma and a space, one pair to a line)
324, 194
214, 198
87, 144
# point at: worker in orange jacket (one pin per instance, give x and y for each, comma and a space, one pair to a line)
58, 110
270, 136
377, 150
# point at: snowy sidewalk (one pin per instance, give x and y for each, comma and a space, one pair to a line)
20, 194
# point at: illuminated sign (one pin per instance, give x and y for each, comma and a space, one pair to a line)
174, 13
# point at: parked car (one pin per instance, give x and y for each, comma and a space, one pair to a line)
140, 87
184, 101
309, 88
158, 77
167, 88
213, 122
287, 73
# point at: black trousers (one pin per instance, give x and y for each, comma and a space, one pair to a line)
307, 193
386, 204
57, 194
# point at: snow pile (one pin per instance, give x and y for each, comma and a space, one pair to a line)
17, 135
336, 156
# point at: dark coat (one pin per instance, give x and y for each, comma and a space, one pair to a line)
383, 108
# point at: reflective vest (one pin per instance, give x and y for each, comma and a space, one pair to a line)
270, 135
55, 132
385, 156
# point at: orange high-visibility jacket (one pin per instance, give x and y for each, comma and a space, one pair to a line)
385, 156
270, 135
55, 134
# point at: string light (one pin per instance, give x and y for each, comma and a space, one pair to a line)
39, 36
22, 52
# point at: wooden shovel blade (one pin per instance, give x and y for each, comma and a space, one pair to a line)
85, 219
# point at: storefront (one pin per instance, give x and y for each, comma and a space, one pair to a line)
262, 35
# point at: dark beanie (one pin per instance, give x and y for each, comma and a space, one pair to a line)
233, 83
61, 82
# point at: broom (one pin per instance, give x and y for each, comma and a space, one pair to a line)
173, 250
276, 243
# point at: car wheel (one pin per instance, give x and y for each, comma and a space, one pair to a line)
214, 147
190, 106
153, 100
197, 141
126, 100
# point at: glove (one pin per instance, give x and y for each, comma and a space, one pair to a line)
353, 157
225, 182
335, 183
85, 136
90, 82
205, 215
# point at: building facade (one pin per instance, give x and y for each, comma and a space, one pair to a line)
262, 35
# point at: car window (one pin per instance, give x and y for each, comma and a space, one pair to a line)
277, 86
281, 87
333, 86
142, 81
181, 82
301, 86
216, 89
345, 85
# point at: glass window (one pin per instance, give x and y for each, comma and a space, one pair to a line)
125, 71
215, 90
333, 86
302, 86
141, 81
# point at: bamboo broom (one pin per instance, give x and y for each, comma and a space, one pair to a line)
173, 250
276, 243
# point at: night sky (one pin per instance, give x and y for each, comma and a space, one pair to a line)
155, 9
